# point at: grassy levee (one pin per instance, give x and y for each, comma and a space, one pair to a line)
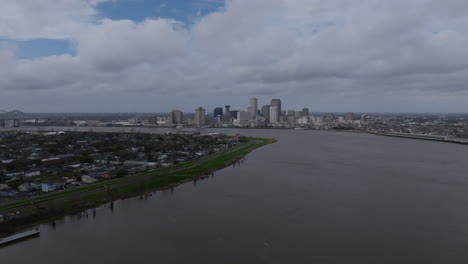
156, 179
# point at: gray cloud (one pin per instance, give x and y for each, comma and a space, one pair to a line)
323, 54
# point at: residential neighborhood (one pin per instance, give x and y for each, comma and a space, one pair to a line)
34, 163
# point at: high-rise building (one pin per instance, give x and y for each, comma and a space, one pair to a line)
176, 117
266, 113
253, 107
218, 111
233, 113
274, 114
276, 103
199, 117
349, 117
305, 111
228, 109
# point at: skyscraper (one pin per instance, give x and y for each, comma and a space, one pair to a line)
274, 114
253, 107
199, 117
276, 103
228, 108
305, 111
266, 113
218, 111
176, 117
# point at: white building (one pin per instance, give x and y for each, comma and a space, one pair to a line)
274, 114
199, 117
243, 118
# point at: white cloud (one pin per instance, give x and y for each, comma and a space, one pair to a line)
313, 51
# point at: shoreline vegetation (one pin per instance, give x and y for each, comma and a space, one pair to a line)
52, 206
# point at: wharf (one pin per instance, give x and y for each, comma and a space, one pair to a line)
18, 237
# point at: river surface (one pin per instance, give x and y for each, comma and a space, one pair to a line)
312, 197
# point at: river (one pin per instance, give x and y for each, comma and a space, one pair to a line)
312, 197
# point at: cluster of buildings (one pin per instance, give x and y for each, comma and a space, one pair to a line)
271, 115
33, 163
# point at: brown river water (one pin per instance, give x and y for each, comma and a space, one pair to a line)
312, 197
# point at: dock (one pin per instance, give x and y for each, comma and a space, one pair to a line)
17, 237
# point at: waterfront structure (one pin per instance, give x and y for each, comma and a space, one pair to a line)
218, 111
274, 114
199, 117
253, 107
266, 113
176, 117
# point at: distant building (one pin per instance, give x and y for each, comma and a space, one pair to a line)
266, 113
243, 118
349, 117
199, 117
218, 111
305, 111
226, 117
233, 113
253, 107
276, 103
274, 114
176, 117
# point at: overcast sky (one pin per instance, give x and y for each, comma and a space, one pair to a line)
153, 56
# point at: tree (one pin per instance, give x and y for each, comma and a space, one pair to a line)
86, 159
122, 173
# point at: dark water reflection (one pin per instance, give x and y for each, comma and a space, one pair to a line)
313, 197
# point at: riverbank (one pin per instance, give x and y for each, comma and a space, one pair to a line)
51, 206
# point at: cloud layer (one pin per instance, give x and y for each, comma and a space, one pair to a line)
329, 55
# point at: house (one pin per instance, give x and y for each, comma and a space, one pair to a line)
7, 193
67, 157
14, 174
48, 187
29, 186
239, 138
51, 161
32, 173
87, 179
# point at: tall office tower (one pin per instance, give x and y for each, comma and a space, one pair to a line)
277, 103
266, 113
228, 109
254, 107
305, 111
274, 114
233, 113
176, 117
349, 117
199, 117
218, 111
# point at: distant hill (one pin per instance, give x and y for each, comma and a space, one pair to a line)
3, 112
